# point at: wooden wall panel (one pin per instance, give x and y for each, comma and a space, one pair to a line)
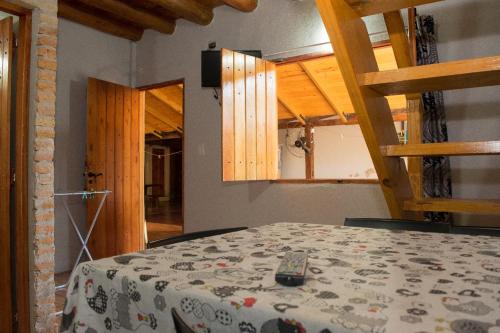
251, 126
227, 115
114, 149
5, 143
239, 117
249, 118
272, 121
260, 91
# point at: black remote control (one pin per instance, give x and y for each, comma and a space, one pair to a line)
292, 270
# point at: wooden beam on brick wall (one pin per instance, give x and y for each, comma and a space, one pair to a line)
190, 10
135, 15
73, 13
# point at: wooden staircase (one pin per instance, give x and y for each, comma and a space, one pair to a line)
368, 87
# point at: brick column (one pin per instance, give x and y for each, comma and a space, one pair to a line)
43, 105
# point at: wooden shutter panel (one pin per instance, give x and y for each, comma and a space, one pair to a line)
249, 118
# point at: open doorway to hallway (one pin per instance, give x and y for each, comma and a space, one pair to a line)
163, 160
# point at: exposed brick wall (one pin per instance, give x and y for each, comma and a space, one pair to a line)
43, 105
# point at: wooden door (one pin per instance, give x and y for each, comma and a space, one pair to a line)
249, 118
115, 149
6, 37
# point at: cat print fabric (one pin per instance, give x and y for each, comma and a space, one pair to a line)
357, 280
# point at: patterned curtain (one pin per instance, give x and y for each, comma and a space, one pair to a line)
437, 172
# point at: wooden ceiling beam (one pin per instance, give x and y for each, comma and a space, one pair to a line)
190, 10
135, 15
243, 5
104, 24
316, 81
352, 119
371, 7
163, 112
174, 105
290, 110
157, 124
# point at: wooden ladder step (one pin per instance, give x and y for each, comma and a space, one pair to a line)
371, 7
470, 73
442, 149
454, 206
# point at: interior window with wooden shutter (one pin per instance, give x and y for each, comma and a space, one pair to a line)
249, 118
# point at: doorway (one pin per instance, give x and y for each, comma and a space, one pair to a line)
15, 25
163, 160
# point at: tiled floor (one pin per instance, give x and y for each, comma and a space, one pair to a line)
164, 221
60, 278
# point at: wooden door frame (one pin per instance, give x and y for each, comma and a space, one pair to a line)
22, 75
162, 85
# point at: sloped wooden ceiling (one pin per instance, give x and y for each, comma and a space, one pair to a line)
129, 18
312, 89
164, 107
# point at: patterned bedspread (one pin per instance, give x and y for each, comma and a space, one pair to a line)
358, 280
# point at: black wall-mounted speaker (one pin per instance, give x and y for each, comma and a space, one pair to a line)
211, 66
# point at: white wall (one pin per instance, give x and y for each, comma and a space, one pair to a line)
82, 53
340, 152
275, 26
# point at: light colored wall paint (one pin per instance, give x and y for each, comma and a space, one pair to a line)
340, 152
469, 29
275, 26
82, 53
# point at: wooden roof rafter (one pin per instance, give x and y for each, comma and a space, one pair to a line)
317, 81
352, 119
86, 16
165, 122
128, 19
312, 86
173, 103
154, 123
136, 15
164, 112
300, 118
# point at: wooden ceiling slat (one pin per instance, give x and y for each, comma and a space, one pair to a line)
318, 83
302, 94
157, 124
162, 111
136, 16
190, 10
296, 114
104, 24
171, 95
